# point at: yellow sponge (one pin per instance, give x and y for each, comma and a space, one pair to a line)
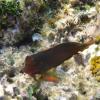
95, 67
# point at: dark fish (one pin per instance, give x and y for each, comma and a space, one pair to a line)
41, 62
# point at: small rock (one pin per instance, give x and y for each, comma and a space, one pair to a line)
10, 80
62, 98
40, 96
73, 97
97, 95
79, 59
25, 98
9, 89
91, 98
36, 37
1, 91
2, 98
81, 88
16, 91
1, 50
12, 72
73, 2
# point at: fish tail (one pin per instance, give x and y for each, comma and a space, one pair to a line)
86, 44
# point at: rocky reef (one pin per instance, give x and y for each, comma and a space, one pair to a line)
31, 26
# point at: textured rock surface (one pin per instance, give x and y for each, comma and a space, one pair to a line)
66, 21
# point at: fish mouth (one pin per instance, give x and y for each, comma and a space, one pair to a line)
30, 71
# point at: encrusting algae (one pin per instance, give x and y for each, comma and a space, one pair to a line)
95, 63
95, 67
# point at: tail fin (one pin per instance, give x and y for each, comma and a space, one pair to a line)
89, 42
86, 44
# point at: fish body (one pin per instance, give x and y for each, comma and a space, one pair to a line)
41, 62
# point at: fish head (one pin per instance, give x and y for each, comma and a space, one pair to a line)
30, 67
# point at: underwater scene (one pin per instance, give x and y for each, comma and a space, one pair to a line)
49, 49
